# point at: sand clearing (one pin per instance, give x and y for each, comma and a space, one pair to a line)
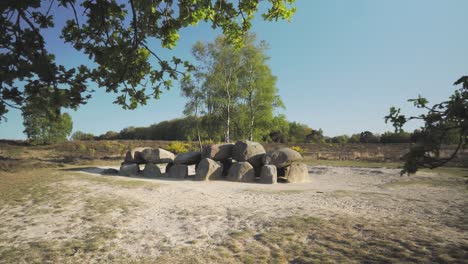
200, 214
180, 212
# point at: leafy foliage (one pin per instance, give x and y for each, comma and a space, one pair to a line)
368, 137
298, 132
109, 135
79, 135
396, 137
342, 139
233, 88
176, 129
43, 122
115, 35
41, 128
316, 136
298, 149
442, 123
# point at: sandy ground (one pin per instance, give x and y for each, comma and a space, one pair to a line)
185, 212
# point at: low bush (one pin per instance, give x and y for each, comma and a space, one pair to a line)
179, 147
298, 149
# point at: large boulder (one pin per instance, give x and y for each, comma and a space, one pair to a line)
178, 171
151, 171
157, 155
129, 169
241, 172
189, 158
281, 157
245, 150
218, 151
209, 169
269, 174
134, 156
250, 151
296, 172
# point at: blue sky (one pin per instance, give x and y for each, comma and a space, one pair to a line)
340, 65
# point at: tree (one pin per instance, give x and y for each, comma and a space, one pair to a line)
220, 64
222, 79
279, 129
368, 137
116, 37
443, 123
315, 136
257, 84
41, 128
109, 135
43, 122
232, 82
355, 138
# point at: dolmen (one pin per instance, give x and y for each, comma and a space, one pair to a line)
244, 161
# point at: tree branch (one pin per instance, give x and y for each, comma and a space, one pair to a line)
76, 16
134, 24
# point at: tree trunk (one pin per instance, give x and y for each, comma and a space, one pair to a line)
198, 130
252, 122
228, 110
252, 114
228, 120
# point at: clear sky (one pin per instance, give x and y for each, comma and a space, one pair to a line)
340, 65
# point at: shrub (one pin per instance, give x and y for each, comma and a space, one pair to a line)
81, 148
298, 149
343, 139
392, 137
179, 147
78, 135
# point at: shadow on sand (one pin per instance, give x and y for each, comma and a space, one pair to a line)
114, 172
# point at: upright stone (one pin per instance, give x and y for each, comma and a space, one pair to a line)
218, 151
189, 158
241, 172
168, 168
281, 157
134, 156
129, 169
178, 171
297, 172
151, 171
208, 170
157, 155
268, 174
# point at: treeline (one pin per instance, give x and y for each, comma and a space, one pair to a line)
281, 131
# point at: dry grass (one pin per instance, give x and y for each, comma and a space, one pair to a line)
352, 163
40, 194
447, 177
312, 240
